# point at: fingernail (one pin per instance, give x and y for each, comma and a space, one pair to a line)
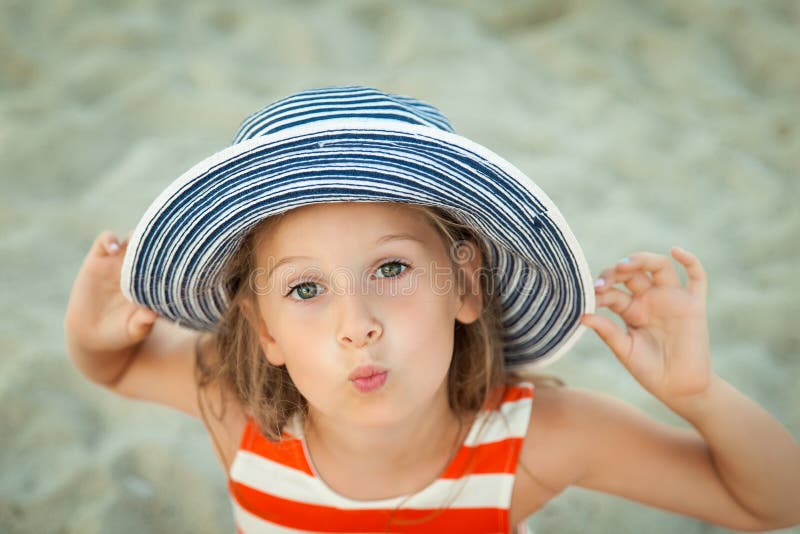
600, 282
112, 247
624, 260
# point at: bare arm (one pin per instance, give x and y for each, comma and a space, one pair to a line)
724, 476
594, 441
162, 368
754, 456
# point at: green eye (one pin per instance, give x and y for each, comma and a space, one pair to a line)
305, 290
395, 269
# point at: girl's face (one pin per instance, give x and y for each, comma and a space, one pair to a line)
359, 301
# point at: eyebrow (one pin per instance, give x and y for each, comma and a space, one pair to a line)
380, 241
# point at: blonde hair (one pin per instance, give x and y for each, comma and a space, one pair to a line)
267, 392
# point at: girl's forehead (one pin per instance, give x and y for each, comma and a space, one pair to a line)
352, 209
350, 215
337, 221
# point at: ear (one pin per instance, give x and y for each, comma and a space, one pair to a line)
470, 300
265, 340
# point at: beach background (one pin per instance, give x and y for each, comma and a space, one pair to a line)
650, 124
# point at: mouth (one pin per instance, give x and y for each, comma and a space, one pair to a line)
368, 378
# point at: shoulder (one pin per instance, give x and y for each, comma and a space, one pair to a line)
544, 467
219, 408
571, 429
552, 440
568, 431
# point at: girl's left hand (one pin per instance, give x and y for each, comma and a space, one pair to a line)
666, 345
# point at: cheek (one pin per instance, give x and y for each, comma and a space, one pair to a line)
315, 374
294, 339
423, 322
429, 301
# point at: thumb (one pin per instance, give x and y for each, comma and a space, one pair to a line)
611, 334
140, 323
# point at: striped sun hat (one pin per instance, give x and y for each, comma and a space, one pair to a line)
358, 144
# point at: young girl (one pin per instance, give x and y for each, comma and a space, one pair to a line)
352, 298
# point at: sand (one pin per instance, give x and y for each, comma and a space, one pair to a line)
650, 124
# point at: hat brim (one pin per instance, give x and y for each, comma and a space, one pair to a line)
176, 253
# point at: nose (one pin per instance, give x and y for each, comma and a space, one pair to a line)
358, 327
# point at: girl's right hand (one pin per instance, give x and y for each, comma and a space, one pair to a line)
121, 346
99, 318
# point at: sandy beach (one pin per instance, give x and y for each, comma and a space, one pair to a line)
650, 124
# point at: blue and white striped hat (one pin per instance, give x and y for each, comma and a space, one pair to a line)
358, 144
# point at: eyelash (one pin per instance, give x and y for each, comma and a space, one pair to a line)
307, 282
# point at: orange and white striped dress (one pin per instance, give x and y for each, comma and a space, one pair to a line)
274, 487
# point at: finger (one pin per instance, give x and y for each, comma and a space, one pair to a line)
659, 266
140, 323
637, 281
612, 335
698, 280
105, 244
615, 300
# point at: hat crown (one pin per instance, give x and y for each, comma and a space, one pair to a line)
339, 102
